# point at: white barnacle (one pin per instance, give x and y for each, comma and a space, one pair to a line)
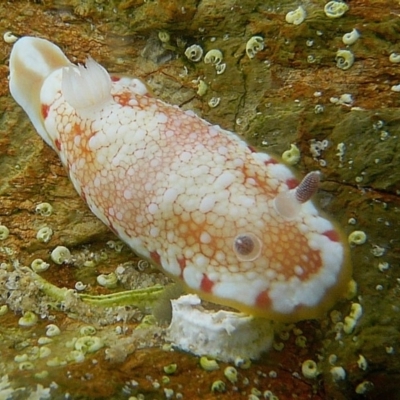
309, 369
52, 330
88, 344
338, 373
364, 387
38, 265
60, 255
3, 309
44, 209
202, 88
87, 330
344, 59
80, 286
220, 68
213, 57
351, 37
214, 101
357, 238
362, 362
4, 232
394, 58
28, 319
44, 234
164, 36
194, 53
231, 374
254, 45
108, 280
335, 9
9, 37
297, 16
292, 156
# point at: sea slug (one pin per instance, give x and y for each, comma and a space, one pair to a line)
232, 224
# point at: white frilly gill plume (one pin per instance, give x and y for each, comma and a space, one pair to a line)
86, 88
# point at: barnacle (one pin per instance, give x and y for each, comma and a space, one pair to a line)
357, 237
394, 58
351, 37
44, 209
80, 286
38, 265
44, 234
213, 57
170, 369
309, 369
108, 280
52, 330
44, 352
194, 53
344, 59
4, 232
220, 68
231, 374
60, 255
87, 330
202, 88
208, 364
297, 16
338, 373
88, 344
164, 36
335, 9
214, 101
28, 319
362, 362
254, 45
291, 156
218, 386
9, 37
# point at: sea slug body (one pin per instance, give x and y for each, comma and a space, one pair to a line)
232, 224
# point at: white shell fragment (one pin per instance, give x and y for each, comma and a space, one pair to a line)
223, 335
254, 45
297, 16
351, 37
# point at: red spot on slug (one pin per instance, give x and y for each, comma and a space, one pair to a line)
45, 110
263, 300
155, 257
58, 144
332, 235
182, 263
206, 284
292, 183
115, 78
271, 161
